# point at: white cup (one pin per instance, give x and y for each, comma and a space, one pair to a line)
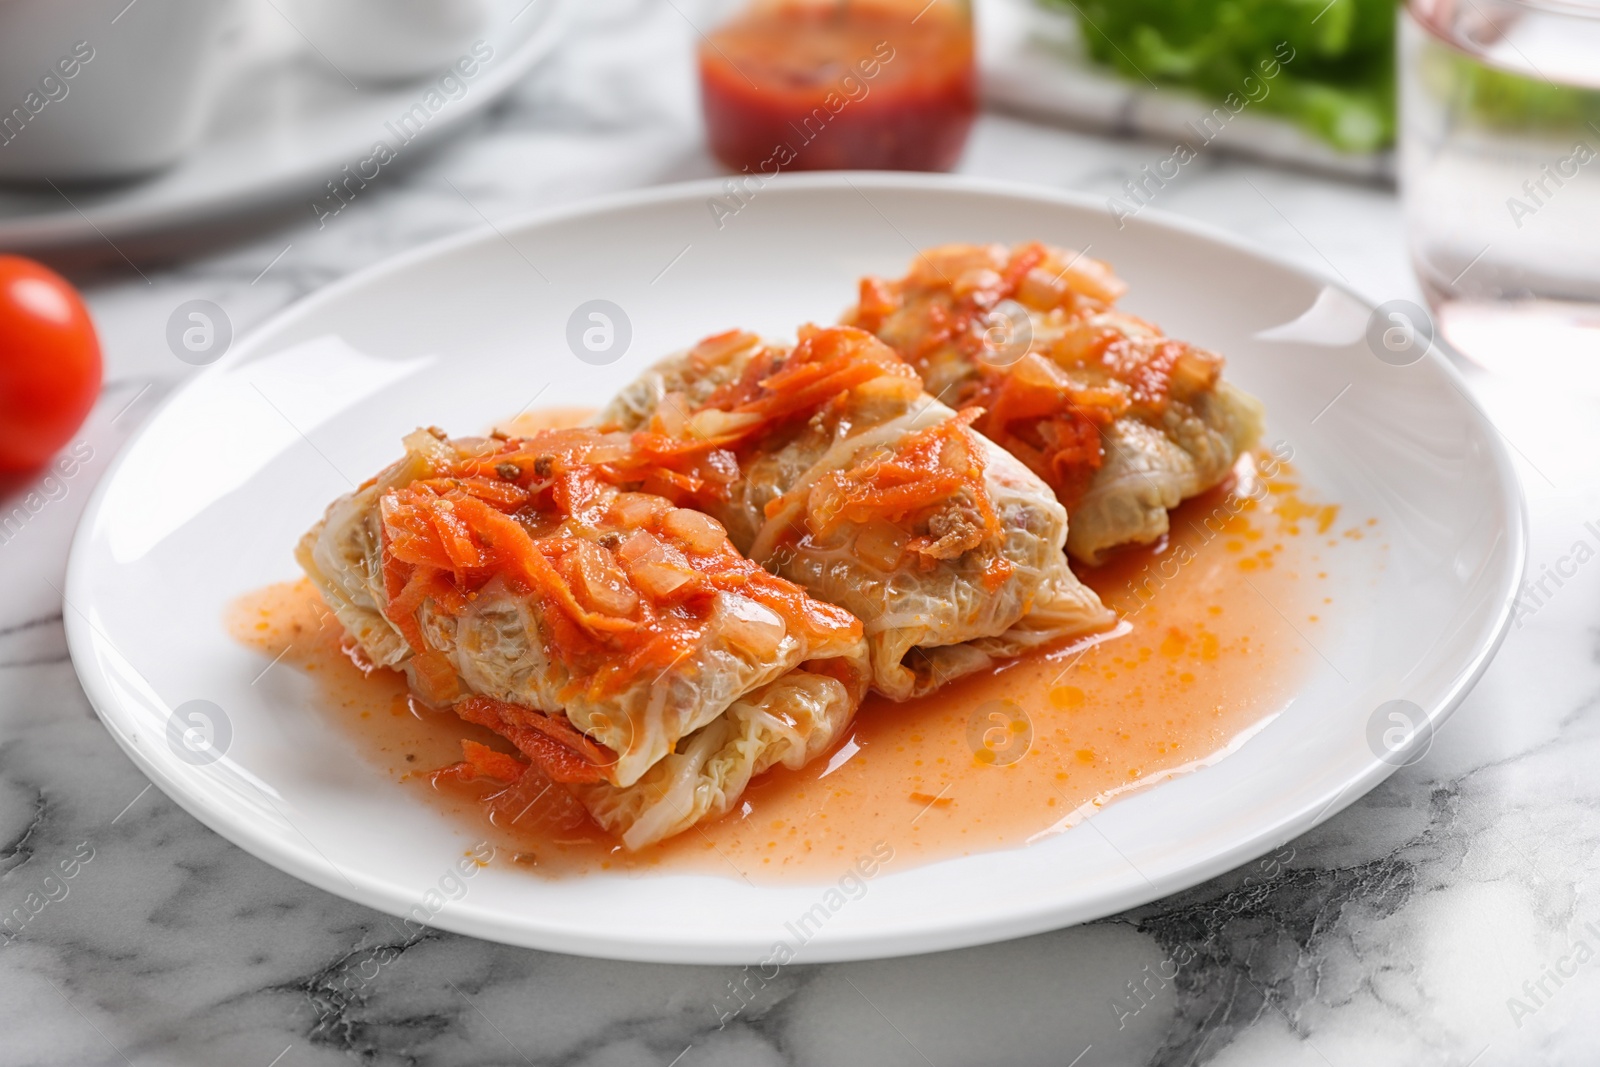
391, 40
98, 89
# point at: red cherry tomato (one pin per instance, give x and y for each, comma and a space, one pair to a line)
49, 363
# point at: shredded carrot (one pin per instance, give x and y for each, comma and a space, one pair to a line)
516, 511
1037, 415
547, 517
1024, 258
422, 584
937, 473
500, 493
780, 386
556, 748
435, 676
481, 761
499, 715
1118, 365
874, 304
928, 471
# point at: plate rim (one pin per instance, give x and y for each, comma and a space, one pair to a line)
931, 937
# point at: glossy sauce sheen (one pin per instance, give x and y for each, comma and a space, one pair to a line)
991, 761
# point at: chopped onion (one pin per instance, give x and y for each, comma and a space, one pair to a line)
936, 266
714, 423
824, 503
432, 451
1079, 342
669, 418
657, 568
954, 454
595, 448
752, 626
602, 583
888, 387
1040, 373
718, 348
881, 544
1093, 279
700, 532
978, 280
641, 546
1041, 289
637, 509
660, 579
1194, 371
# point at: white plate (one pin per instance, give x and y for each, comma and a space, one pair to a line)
206, 502
286, 124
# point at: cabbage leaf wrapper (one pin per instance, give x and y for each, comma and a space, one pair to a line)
872, 495
548, 588
1123, 422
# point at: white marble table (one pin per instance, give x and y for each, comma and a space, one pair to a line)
1396, 933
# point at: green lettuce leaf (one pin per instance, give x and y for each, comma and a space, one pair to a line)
1334, 59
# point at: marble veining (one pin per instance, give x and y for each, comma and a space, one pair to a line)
1448, 917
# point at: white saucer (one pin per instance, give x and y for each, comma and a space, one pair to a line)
287, 124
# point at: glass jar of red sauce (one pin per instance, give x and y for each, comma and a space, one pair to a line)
836, 84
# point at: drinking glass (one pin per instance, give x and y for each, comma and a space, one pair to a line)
1500, 177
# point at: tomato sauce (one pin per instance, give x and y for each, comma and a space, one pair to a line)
1215, 624
838, 84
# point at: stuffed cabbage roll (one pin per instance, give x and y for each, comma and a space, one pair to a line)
1123, 422
619, 642
854, 483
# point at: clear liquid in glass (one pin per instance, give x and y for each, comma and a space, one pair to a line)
1500, 175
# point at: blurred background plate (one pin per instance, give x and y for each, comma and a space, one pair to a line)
288, 122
